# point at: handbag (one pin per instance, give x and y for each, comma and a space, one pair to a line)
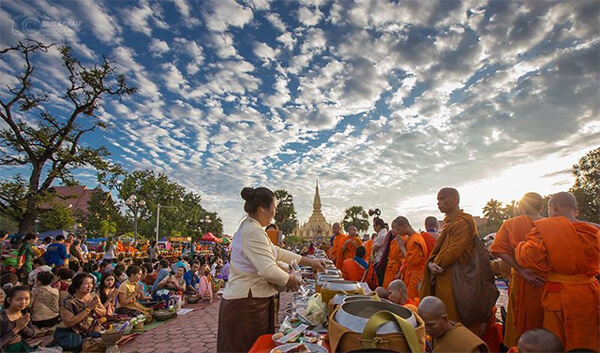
475, 279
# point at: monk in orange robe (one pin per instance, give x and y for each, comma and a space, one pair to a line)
413, 250
431, 235
567, 252
525, 310
354, 269
398, 295
369, 246
394, 263
456, 243
338, 241
353, 241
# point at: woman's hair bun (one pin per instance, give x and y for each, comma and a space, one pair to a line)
248, 193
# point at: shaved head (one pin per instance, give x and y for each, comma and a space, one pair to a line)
432, 307
532, 202
401, 221
397, 284
562, 204
539, 340
431, 222
451, 192
381, 292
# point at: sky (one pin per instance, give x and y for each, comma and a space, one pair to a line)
384, 102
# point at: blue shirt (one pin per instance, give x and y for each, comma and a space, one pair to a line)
191, 279
159, 277
56, 254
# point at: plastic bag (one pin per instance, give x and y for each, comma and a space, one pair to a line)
316, 310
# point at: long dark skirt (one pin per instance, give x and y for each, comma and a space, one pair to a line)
242, 321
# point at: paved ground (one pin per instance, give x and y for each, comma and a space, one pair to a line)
197, 331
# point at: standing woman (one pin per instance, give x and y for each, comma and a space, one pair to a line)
247, 309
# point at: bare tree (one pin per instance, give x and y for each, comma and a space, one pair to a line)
49, 145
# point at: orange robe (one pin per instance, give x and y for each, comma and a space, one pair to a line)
352, 270
569, 254
119, 246
350, 251
338, 243
456, 243
369, 248
394, 263
429, 241
525, 310
414, 264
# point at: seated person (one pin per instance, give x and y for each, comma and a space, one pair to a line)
446, 335
39, 265
146, 295
174, 282
205, 287
381, 292
353, 269
151, 275
15, 324
398, 294
45, 301
163, 272
65, 276
192, 280
108, 293
129, 293
80, 314
120, 274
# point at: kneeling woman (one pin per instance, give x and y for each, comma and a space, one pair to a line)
129, 293
80, 313
15, 325
247, 310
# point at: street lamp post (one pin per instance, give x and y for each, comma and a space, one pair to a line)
206, 220
158, 218
135, 205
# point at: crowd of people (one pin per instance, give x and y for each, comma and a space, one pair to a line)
447, 276
56, 287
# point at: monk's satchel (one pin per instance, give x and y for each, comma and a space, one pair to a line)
369, 324
474, 287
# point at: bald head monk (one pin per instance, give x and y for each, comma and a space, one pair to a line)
452, 252
566, 251
414, 250
525, 311
382, 292
539, 340
338, 240
353, 241
398, 295
447, 335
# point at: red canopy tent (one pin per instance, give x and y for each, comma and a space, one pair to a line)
209, 237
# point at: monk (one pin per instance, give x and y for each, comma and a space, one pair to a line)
381, 292
353, 241
539, 341
455, 244
413, 250
431, 235
567, 253
368, 244
338, 240
447, 336
525, 310
354, 269
394, 261
399, 295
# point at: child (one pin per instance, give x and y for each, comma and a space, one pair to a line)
206, 290
15, 323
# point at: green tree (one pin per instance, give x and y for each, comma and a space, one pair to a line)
107, 228
356, 216
285, 218
510, 210
493, 211
102, 207
47, 141
587, 186
183, 214
56, 216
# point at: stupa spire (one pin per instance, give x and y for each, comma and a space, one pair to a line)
317, 201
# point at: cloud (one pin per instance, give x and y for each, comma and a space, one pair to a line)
141, 18
185, 11
222, 14
158, 47
104, 25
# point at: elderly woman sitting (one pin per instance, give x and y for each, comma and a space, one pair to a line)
81, 314
173, 283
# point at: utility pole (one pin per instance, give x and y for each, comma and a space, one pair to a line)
158, 207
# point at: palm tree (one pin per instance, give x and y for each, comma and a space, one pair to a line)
511, 210
493, 211
107, 228
356, 216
